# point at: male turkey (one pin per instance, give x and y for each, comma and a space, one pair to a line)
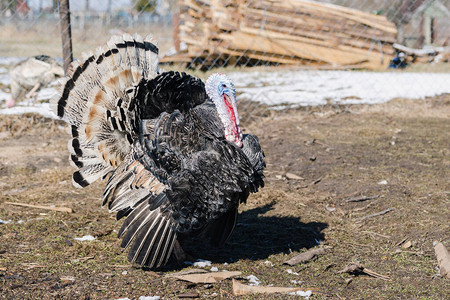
177, 161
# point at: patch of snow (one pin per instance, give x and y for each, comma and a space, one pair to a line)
85, 238
293, 281
5, 222
10, 60
279, 89
253, 280
306, 294
46, 93
214, 269
268, 263
20, 221
382, 182
201, 263
39, 108
292, 272
4, 96
149, 298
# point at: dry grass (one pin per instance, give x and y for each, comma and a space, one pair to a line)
45, 38
350, 149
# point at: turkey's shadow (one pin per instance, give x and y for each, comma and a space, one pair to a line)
257, 237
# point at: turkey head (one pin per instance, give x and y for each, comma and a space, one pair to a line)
220, 90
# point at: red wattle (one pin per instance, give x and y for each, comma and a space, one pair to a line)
230, 110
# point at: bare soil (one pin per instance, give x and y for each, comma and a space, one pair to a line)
397, 153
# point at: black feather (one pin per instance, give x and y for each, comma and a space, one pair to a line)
123, 213
78, 178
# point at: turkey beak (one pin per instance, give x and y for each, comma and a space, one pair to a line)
228, 99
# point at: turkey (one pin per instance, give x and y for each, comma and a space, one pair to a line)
171, 148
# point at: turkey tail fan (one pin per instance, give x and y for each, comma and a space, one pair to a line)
96, 101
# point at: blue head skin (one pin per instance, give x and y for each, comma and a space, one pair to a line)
221, 91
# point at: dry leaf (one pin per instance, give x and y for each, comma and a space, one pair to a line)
406, 245
443, 258
240, 289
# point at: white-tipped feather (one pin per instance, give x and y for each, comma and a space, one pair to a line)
89, 102
91, 173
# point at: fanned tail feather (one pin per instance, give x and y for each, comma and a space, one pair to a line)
96, 101
153, 235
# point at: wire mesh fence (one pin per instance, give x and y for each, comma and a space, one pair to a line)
321, 38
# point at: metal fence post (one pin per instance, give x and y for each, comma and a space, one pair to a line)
66, 33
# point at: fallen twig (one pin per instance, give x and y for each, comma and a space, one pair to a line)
61, 209
317, 181
377, 234
315, 141
82, 259
32, 265
189, 295
304, 257
292, 176
240, 289
360, 199
375, 214
357, 268
443, 258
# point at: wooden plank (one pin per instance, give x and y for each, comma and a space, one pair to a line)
240, 40
335, 43
355, 15
323, 8
324, 35
177, 58
261, 56
311, 24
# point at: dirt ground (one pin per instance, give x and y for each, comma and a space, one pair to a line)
396, 153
